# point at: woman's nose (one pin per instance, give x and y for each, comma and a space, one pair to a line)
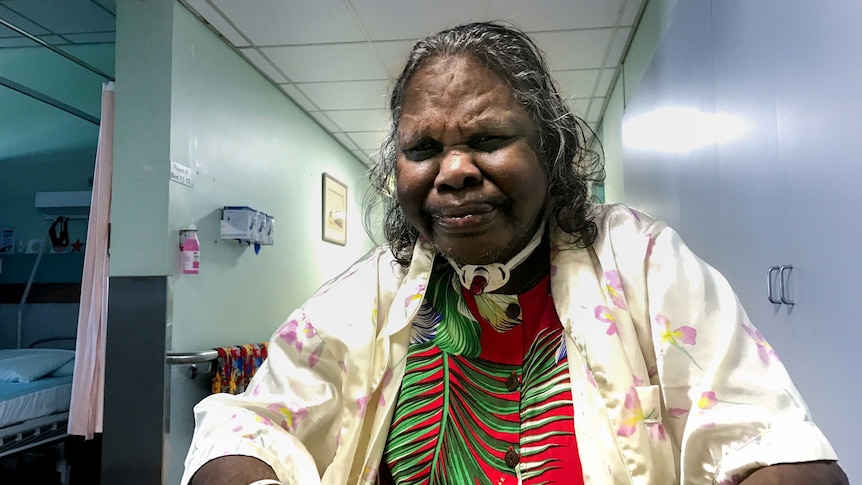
457, 171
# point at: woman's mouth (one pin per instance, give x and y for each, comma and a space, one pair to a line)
466, 218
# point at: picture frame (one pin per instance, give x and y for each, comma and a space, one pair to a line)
334, 213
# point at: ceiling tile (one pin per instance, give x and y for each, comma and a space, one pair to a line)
578, 106
346, 141
298, 97
328, 62
324, 121
595, 111
18, 21
26, 42
632, 9
280, 22
367, 157
620, 40
65, 16
394, 54
577, 83
543, 15
367, 140
218, 22
400, 20
360, 120
604, 82
109, 5
263, 64
92, 38
573, 49
348, 94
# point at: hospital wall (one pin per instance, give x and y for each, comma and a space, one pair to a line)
741, 131
184, 96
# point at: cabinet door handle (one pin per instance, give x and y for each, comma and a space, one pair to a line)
769, 293
781, 287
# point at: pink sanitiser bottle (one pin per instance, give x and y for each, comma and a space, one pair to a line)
190, 251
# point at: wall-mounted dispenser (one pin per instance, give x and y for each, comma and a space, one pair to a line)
247, 225
190, 250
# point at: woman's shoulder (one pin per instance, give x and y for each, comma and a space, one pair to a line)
619, 223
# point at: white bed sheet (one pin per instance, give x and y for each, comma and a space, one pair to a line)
33, 400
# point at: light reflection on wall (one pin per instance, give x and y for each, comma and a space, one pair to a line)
681, 130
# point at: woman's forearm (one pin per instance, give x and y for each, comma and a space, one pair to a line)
232, 470
815, 472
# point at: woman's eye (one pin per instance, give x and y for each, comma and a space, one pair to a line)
488, 143
423, 151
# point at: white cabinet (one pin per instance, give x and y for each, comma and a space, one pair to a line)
787, 189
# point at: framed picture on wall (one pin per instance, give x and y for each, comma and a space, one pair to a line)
334, 210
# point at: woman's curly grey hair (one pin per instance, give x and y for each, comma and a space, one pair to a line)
563, 137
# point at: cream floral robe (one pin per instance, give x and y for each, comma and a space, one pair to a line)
671, 383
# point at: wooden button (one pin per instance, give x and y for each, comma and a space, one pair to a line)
512, 382
513, 310
512, 458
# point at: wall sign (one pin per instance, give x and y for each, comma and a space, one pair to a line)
181, 174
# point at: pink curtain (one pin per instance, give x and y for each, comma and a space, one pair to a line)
88, 382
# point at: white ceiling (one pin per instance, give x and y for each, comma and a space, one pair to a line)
337, 59
85, 28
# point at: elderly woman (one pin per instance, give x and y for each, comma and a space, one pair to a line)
510, 332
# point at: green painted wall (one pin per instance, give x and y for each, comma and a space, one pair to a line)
22, 178
142, 126
188, 97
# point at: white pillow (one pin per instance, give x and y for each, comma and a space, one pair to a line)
27, 365
66, 369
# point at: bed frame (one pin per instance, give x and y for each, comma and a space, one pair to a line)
33, 433
42, 431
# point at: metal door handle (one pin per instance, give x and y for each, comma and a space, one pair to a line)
781, 288
769, 294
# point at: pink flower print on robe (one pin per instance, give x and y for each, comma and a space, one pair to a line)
634, 412
614, 287
590, 377
314, 357
707, 400
675, 413
295, 334
603, 314
414, 298
656, 431
362, 405
289, 418
650, 244
678, 337
288, 333
387, 377
764, 350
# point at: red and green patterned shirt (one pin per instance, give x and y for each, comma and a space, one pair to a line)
486, 397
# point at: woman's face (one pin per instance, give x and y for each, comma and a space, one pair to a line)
468, 177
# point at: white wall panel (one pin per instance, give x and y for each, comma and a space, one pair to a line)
779, 182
